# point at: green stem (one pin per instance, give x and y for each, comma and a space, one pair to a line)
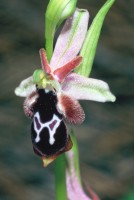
60, 178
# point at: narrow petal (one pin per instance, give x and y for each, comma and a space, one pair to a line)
63, 71
25, 88
71, 109
71, 39
80, 87
44, 61
93, 195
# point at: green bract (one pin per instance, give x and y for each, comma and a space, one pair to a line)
89, 47
56, 12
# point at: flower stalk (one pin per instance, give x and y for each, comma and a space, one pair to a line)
60, 178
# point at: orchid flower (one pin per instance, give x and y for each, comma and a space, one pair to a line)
59, 76
53, 92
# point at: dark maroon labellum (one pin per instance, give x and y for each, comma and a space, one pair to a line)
48, 130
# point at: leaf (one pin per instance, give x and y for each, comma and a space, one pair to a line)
56, 12
89, 47
83, 88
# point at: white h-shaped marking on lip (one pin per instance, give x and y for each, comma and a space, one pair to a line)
46, 125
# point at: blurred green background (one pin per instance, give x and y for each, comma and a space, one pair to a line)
106, 139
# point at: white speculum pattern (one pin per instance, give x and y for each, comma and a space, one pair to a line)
52, 131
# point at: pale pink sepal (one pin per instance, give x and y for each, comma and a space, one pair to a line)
82, 88
70, 40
